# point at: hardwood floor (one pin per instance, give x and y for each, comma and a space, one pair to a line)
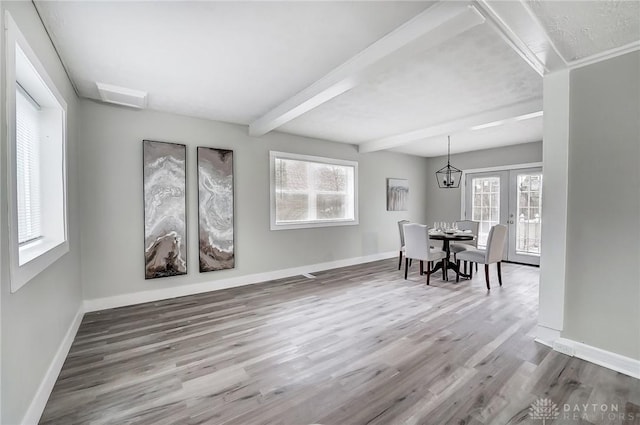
357, 345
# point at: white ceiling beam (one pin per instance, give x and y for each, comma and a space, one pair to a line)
521, 30
450, 127
441, 22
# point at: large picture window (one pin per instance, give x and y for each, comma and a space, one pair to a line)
309, 191
37, 162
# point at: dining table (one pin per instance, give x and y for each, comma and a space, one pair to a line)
446, 237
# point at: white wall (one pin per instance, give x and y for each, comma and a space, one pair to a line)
445, 204
554, 206
36, 318
112, 208
602, 298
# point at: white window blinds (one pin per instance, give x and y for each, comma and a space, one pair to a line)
28, 169
313, 192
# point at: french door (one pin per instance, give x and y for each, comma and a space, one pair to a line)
511, 197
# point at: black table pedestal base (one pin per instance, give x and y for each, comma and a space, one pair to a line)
450, 265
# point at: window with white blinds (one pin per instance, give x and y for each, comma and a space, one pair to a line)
28, 169
309, 191
36, 146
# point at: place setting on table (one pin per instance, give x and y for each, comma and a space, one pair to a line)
448, 232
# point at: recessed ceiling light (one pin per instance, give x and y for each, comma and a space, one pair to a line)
488, 125
529, 116
122, 96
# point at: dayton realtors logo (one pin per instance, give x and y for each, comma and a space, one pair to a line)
546, 410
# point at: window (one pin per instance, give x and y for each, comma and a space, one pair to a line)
36, 155
309, 191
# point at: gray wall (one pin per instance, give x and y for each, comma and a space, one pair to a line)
602, 293
112, 210
36, 318
445, 204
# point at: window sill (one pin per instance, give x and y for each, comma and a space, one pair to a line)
32, 259
312, 224
33, 250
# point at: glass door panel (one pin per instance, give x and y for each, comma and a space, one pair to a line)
525, 216
486, 201
485, 207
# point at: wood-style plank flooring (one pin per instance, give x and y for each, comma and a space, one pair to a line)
356, 345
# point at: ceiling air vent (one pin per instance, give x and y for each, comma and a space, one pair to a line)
122, 96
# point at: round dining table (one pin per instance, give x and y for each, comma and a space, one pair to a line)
447, 237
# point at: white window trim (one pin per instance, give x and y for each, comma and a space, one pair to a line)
308, 225
37, 259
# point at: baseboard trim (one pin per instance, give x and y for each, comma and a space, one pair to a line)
36, 408
604, 358
552, 338
546, 336
98, 304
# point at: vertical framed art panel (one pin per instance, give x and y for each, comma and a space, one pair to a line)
397, 194
215, 209
165, 205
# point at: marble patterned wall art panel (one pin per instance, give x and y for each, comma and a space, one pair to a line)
215, 209
165, 205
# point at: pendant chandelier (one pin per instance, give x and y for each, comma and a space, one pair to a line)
448, 177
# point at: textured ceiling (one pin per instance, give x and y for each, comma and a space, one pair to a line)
474, 72
510, 133
227, 61
584, 28
235, 61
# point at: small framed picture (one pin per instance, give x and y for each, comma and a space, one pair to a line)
397, 194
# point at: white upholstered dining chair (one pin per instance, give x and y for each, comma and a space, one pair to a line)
401, 224
417, 247
456, 247
493, 254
